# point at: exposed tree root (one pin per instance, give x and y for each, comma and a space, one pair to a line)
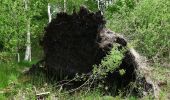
74, 43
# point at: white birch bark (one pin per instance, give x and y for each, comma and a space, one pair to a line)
18, 57
28, 43
49, 13
65, 6
17, 53
98, 4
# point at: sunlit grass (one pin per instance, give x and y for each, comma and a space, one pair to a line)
8, 74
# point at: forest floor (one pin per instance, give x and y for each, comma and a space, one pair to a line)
15, 85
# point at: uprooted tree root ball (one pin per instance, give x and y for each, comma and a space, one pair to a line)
74, 43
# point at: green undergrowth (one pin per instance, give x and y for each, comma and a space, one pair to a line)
10, 77
161, 75
16, 85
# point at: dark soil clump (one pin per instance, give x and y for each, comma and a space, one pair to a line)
74, 43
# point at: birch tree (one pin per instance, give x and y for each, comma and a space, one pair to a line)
65, 6
49, 13
28, 43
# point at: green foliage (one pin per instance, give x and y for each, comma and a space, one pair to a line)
110, 62
146, 21
122, 71
6, 57
12, 23
121, 6
39, 17
71, 5
91, 4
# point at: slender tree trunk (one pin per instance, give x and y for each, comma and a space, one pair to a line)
98, 4
28, 43
18, 55
49, 13
65, 6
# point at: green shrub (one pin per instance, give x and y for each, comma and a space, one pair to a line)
147, 21
109, 63
6, 57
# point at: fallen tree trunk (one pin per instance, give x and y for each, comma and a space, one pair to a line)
74, 43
